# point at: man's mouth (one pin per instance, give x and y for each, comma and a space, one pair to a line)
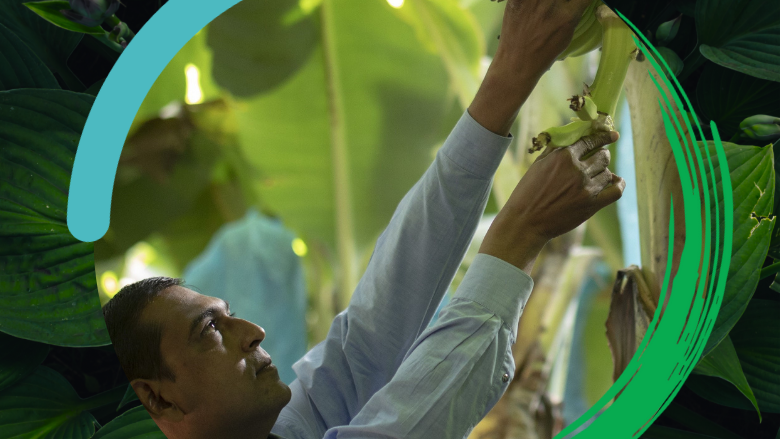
264, 366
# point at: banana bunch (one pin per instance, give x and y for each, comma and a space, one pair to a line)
594, 109
587, 34
588, 121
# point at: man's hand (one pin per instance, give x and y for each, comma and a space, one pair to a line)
562, 188
533, 34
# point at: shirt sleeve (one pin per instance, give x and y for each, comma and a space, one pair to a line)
456, 370
411, 268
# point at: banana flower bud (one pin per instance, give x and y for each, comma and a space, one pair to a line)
90, 12
761, 127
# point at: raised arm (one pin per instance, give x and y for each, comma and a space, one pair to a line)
458, 369
418, 254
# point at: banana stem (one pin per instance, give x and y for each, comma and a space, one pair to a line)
617, 52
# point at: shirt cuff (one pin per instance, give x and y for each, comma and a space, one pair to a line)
498, 286
475, 148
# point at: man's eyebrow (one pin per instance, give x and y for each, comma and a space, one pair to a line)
209, 312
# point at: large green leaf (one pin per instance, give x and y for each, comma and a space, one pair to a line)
53, 45
756, 338
741, 35
20, 68
728, 97
134, 423
661, 432
48, 289
753, 182
171, 85
44, 406
723, 362
696, 422
165, 184
452, 32
283, 37
49, 10
129, 396
774, 246
19, 359
339, 144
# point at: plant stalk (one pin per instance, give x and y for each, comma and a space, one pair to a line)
617, 51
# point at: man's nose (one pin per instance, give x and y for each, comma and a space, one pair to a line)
253, 335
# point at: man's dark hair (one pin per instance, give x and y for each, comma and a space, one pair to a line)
138, 345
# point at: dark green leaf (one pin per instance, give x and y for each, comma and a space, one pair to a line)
129, 396
19, 359
95, 88
44, 406
723, 362
741, 35
774, 246
52, 44
668, 30
661, 432
728, 97
756, 338
697, 422
48, 290
20, 68
720, 392
49, 10
753, 184
671, 58
282, 42
687, 7
134, 423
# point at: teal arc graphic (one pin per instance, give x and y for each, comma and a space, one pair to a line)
97, 157
676, 337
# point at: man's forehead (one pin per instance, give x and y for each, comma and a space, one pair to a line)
177, 304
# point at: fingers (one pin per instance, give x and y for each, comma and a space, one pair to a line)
597, 163
611, 193
600, 181
587, 144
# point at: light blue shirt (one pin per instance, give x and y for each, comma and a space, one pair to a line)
381, 372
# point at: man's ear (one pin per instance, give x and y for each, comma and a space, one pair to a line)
149, 392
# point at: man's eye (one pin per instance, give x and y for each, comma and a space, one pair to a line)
211, 325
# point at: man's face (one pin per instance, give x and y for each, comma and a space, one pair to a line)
223, 377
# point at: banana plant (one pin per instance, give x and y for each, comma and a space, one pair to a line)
637, 290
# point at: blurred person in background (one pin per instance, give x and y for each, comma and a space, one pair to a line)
250, 264
381, 373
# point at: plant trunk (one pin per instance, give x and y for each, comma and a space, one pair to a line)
637, 291
657, 178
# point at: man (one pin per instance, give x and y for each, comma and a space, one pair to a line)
201, 372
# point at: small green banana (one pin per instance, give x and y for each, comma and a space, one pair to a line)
617, 52
590, 40
587, 34
588, 17
561, 136
584, 107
